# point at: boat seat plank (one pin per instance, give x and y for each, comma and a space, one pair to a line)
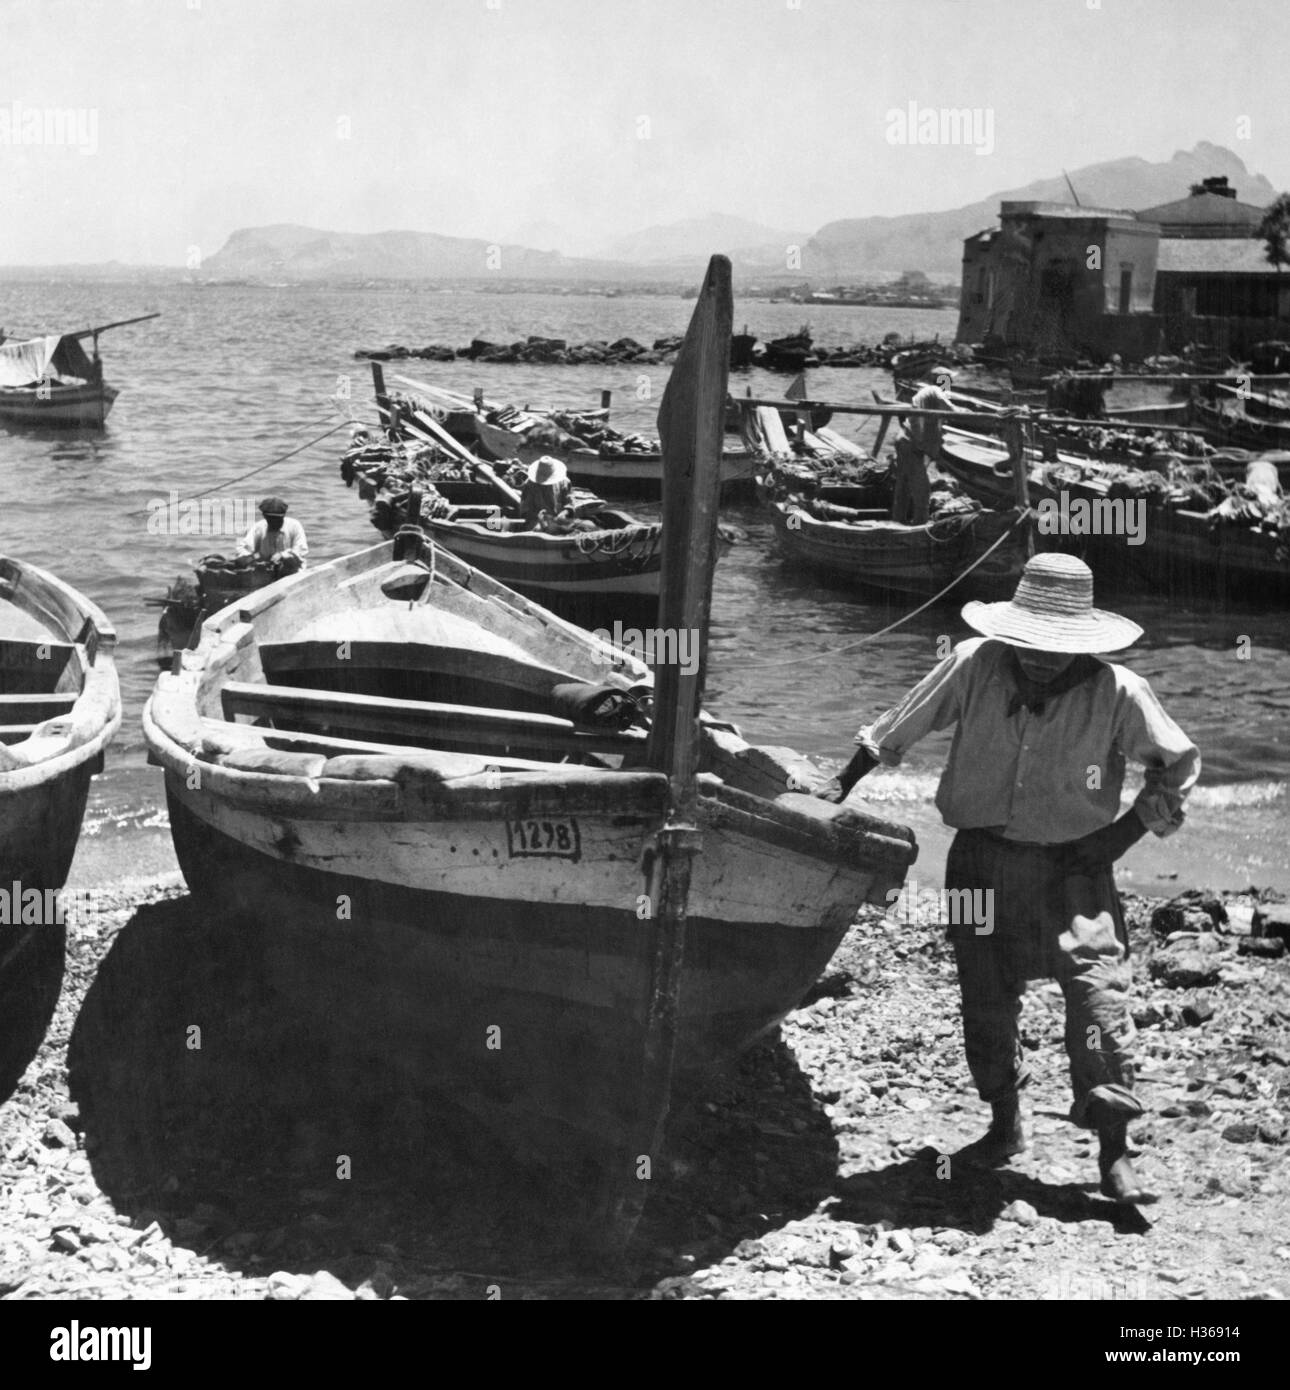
425, 718
247, 736
15, 733
24, 653
498, 667
36, 705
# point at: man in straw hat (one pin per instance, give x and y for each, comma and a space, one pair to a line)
1032, 785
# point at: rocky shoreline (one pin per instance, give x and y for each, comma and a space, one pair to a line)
135, 1166
559, 352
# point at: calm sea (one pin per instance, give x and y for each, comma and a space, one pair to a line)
229, 378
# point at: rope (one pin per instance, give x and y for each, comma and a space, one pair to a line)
281, 458
891, 627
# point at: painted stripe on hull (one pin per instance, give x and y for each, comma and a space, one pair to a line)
65, 408
734, 880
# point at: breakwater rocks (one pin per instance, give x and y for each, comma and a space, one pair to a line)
781, 354
554, 352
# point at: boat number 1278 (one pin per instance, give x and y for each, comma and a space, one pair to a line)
555, 838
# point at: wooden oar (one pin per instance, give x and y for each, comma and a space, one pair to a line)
429, 431
691, 423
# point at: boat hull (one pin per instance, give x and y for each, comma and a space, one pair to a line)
567, 567
63, 407
1181, 552
54, 726
913, 560
635, 474
460, 935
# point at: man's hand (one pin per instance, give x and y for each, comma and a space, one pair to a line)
1102, 848
839, 788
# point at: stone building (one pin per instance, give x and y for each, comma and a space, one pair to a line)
1060, 279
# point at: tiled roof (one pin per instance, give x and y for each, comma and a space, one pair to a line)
1203, 210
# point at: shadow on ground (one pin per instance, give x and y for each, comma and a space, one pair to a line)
209, 1104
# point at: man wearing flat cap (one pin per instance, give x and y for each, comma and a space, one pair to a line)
1042, 732
276, 538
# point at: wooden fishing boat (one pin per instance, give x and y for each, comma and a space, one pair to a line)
617, 556
1184, 550
387, 730
52, 382
59, 707
620, 903
627, 465
593, 557
985, 551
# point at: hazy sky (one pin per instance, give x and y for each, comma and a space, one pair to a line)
487, 117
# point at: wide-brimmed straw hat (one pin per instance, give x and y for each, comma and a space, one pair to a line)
1052, 611
547, 470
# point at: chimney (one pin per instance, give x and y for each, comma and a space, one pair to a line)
1218, 185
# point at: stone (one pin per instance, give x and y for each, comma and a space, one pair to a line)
1183, 966
1240, 919
1020, 1212
1199, 1011
1177, 916
1272, 920
284, 1287
1269, 947
377, 1286
1243, 1132
59, 1134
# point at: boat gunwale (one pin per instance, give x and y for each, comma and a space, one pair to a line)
95, 715
177, 736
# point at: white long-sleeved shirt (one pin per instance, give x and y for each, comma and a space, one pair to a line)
1043, 777
265, 544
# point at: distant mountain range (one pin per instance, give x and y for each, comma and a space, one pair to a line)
694, 238
844, 252
933, 242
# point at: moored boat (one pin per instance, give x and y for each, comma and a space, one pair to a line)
579, 553
59, 707
1195, 538
51, 381
596, 455
981, 552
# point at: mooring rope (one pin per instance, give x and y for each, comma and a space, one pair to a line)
281, 458
891, 627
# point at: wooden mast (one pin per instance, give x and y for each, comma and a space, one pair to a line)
691, 424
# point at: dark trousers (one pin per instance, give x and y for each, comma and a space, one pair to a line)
1044, 922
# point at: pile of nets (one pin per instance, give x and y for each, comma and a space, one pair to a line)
1108, 441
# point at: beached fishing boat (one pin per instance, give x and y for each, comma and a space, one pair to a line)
51, 381
534, 843
596, 455
59, 707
